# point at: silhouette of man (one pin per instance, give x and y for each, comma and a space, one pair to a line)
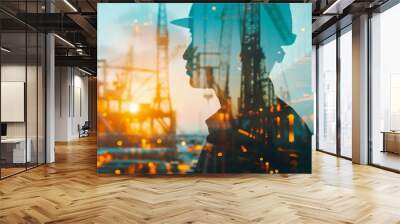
233, 49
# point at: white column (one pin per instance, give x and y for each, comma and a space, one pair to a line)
50, 99
63, 103
360, 90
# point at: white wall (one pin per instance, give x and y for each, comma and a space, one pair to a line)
71, 102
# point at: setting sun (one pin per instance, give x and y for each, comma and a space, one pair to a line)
134, 108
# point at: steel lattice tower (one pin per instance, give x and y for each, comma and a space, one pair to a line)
162, 107
252, 57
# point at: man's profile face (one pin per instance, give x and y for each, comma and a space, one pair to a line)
204, 24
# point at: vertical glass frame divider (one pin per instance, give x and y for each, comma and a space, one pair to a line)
369, 87
317, 97
37, 93
338, 74
26, 87
1, 166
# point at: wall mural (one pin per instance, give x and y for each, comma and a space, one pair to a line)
204, 88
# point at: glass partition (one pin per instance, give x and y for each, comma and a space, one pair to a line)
385, 89
22, 91
346, 93
327, 96
13, 105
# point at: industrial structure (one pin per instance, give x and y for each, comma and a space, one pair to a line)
129, 124
261, 138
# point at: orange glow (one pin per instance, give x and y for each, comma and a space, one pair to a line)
278, 107
278, 121
140, 167
108, 157
183, 167
244, 149
260, 109
220, 154
271, 109
198, 147
152, 168
267, 166
243, 132
291, 137
291, 119
221, 116
131, 169
117, 172
159, 141
119, 143
291, 131
100, 159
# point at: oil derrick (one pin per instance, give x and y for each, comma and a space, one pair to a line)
225, 42
265, 121
256, 93
251, 90
163, 114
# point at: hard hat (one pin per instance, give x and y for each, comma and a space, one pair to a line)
278, 18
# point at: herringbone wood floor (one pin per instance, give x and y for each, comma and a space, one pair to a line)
70, 191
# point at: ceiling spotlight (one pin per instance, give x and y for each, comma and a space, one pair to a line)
5, 50
64, 40
84, 71
337, 7
70, 5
